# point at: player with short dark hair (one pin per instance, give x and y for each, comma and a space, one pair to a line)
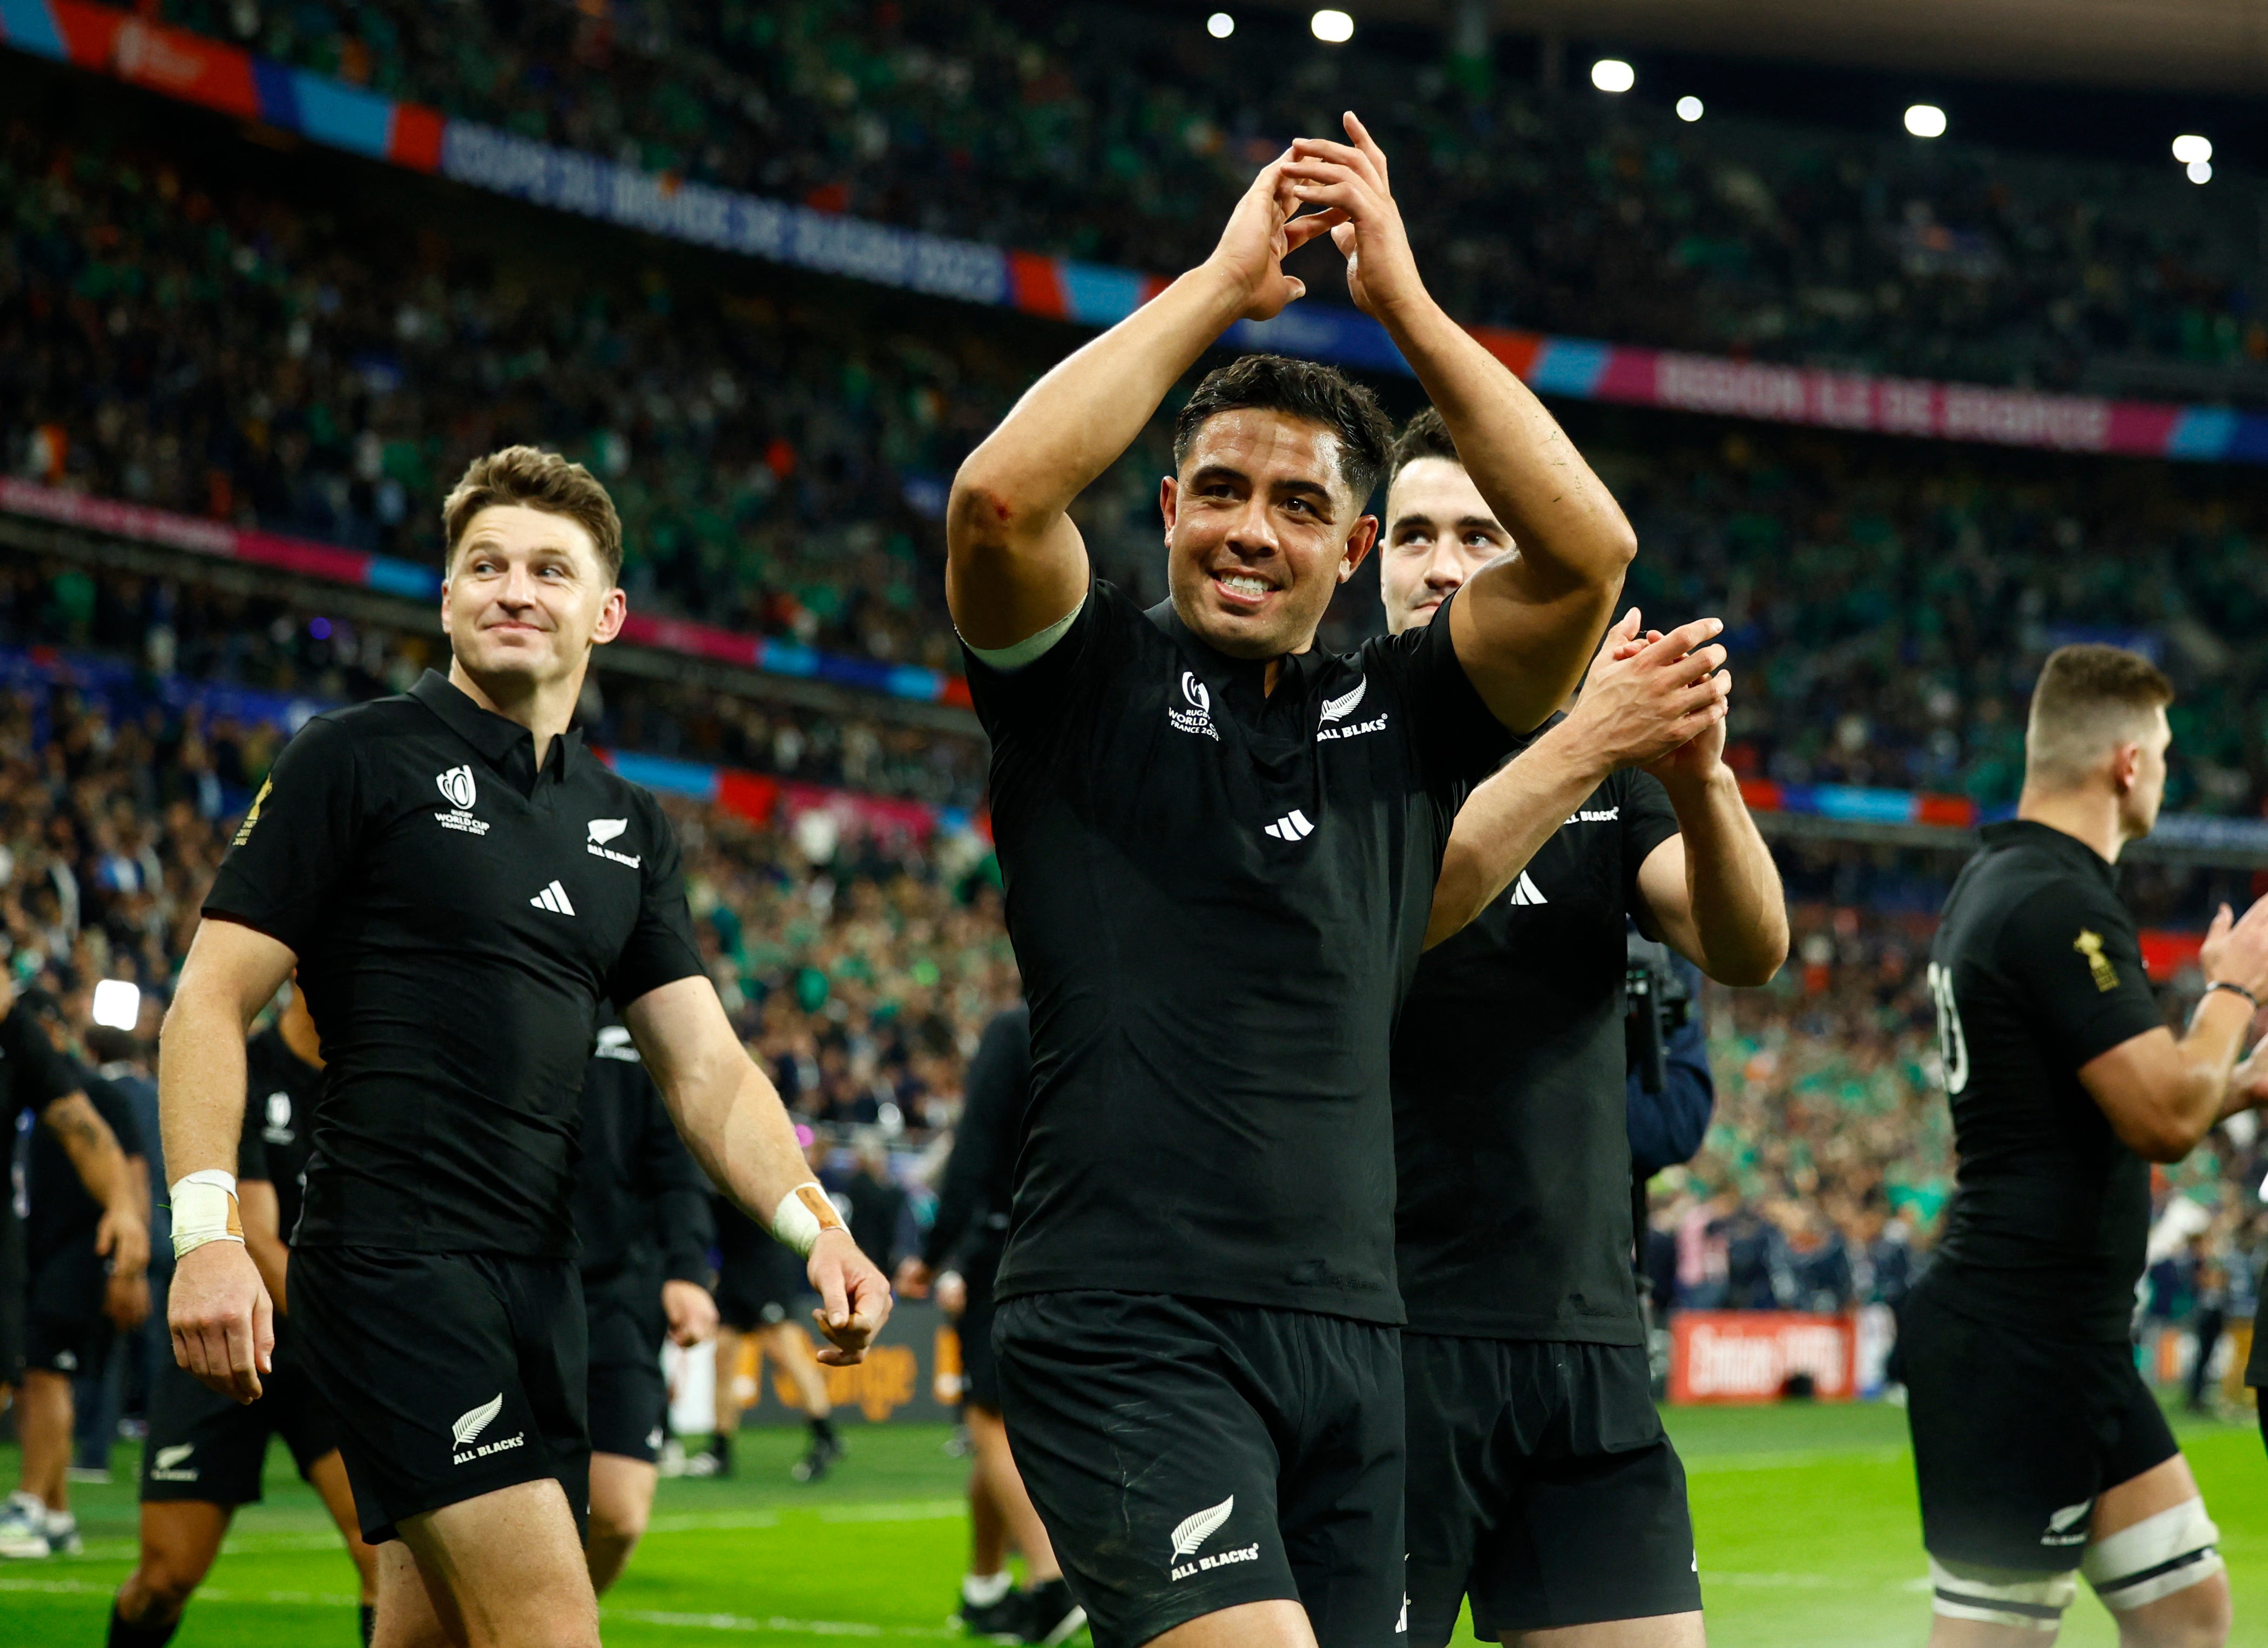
1540, 1482
1220, 848
2040, 1450
460, 882
641, 1212
205, 1453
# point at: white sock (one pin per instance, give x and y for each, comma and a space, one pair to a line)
61, 1522
982, 1590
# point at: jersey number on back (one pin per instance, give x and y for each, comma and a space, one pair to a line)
1952, 1042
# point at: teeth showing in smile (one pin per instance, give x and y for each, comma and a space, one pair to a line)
1243, 585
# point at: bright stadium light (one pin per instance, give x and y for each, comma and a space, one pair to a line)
1612, 74
2188, 148
1332, 26
117, 1003
1925, 120
1220, 26
2200, 171
1689, 110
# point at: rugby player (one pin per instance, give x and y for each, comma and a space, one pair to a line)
204, 1453
961, 1259
77, 1303
2040, 1450
642, 1215
460, 882
1540, 1482
1220, 847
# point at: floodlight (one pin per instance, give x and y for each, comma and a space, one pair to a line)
1689, 110
1925, 120
1612, 74
1332, 25
117, 1003
2189, 149
1220, 26
2200, 171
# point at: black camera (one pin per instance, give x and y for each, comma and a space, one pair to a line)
1656, 1004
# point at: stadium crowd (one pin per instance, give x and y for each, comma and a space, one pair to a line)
208, 349
1104, 132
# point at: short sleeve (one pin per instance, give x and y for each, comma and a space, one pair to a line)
1647, 820
1039, 693
660, 949
37, 1074
297, 841
2073, 953
1457, 737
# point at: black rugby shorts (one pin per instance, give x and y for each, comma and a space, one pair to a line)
1189, 1456
2015, 1433
64, 1328
1542, 1485
629, 1399
450, 1375
205, 1447
979, 1367
757, 1280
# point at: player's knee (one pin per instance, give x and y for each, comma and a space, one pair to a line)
160, 1587
621, 1524
2163, 1578
2015, 1597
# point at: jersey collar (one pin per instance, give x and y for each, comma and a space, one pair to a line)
2031, 832
1248, 675
489, 733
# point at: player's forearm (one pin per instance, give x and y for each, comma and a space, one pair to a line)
201, 1076
1506, 820
1740, 913
2202, 1095
747, 1145
1074, 422
1572, 534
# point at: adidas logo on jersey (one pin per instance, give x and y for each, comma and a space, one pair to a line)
553, 899
1293, 826
1525, 891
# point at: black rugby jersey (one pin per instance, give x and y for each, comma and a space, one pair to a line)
2036, 969
980, 1177
59, 1231
1510, 1136
1216, 895
280, 1093
641, 1204
457, 917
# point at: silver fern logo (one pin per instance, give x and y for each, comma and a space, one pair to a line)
473, 1421
1194, 1531
1337, 709
169, 1457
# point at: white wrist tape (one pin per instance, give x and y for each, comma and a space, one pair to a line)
804, 1212
204, 1210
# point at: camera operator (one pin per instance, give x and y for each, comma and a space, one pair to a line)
1669, 1094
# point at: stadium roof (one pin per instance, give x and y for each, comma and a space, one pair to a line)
2205, 45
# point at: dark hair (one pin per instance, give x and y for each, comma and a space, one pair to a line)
541, 480
107, 1044
2088, 699
1314, 393
1424, 436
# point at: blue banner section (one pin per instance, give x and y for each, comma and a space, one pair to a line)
29, 25
666, 776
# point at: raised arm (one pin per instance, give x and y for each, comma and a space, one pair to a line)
738, 1131
1015, 562
1711, 891
1642, 697
217, 1307
1524, 627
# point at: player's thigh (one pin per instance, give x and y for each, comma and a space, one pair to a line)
1149, 1453
1662, 1630
512, 1565
621, 1495
413, 1611
2153, 1557
1247, 1625
1341, 1491
1596, 1532
180, 1538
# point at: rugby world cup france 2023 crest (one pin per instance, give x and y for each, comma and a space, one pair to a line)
457, 787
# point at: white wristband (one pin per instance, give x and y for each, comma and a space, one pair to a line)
204, 1210
804, 1212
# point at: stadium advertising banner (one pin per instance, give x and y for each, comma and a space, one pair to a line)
1752, 1356
913, 1373
216, 75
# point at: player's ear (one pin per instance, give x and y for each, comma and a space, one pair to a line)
1359, 545
1169, 501
612, 611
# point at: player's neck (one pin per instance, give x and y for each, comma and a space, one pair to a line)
2086, 815
544, 707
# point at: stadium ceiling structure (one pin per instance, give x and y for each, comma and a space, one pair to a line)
2200, 45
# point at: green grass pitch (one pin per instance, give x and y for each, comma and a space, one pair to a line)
1806, 1519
